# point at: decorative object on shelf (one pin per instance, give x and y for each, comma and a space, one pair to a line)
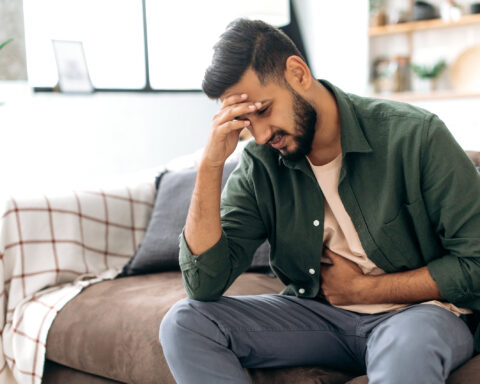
450, 10
423, 10
475, 8
465, 72
429, 74
72, 67
378, 15
391, 75
399, 16
382, 75
402, 75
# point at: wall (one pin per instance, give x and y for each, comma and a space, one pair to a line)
461, 117
336, 42
52, 139
48, 140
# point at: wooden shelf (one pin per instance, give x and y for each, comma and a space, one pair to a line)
422, 25
436, 95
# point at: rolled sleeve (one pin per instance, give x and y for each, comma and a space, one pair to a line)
208, 275
451, 189
445, 271
203, 274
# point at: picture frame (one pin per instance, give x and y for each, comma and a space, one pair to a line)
73, 75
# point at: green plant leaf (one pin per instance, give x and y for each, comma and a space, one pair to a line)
425, 72
5, 43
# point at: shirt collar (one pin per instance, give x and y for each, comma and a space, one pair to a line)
352, 136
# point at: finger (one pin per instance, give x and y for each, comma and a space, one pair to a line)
234, 99
234, 111
233, 125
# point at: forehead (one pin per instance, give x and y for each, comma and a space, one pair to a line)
250, 85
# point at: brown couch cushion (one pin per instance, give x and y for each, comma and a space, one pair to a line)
111, 330
59, 374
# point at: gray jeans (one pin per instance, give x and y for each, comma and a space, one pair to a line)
211, 342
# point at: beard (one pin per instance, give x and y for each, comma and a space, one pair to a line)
305, 119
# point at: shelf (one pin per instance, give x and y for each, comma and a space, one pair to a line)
422, 25
437, 95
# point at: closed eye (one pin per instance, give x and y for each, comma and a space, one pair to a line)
261, 112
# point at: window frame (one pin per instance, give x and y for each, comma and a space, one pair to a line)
292, 30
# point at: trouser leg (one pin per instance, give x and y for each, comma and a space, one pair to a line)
211, 342
421, 344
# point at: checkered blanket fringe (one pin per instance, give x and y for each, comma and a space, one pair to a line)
51, 248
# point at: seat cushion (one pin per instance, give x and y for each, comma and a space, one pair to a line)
111, 330
58, 374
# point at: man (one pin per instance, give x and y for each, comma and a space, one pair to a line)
372, 211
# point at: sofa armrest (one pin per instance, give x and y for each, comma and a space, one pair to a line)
53, 239
50, 247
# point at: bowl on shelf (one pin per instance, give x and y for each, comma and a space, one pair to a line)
475, 8
465, 71
423, 10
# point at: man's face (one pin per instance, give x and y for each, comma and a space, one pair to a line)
285, 121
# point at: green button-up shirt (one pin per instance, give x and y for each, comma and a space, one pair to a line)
412, 193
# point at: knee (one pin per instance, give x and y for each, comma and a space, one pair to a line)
180, 316
425, 342
410, 342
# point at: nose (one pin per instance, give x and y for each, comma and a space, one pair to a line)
261, 131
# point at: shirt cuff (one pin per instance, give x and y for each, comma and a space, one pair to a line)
446, 272
213, 261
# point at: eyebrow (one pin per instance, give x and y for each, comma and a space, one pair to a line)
266, 101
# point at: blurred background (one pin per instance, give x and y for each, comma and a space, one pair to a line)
97, 89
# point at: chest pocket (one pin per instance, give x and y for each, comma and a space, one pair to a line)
411, 237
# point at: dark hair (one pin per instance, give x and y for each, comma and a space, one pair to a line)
247, 44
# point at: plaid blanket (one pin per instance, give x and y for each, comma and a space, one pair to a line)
52, 247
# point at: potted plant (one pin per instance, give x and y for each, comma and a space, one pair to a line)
429, 74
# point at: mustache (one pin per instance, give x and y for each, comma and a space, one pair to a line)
279, 132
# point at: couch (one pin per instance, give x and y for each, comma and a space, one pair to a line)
108, 333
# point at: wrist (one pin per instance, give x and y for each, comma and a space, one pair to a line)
362, 287
208, 167
211, 166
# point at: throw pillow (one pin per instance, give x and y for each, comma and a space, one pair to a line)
160, 248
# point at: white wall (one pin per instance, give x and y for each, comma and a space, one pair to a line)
53, 139
336, 41
461, 117
65, 140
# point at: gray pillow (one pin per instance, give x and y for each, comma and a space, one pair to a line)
159, 249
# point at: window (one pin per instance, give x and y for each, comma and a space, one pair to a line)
111, 32
170, 51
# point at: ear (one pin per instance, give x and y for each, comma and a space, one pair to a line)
297, 73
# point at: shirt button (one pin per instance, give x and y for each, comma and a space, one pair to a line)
311, 271
301, 291
195, 261
316, 223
